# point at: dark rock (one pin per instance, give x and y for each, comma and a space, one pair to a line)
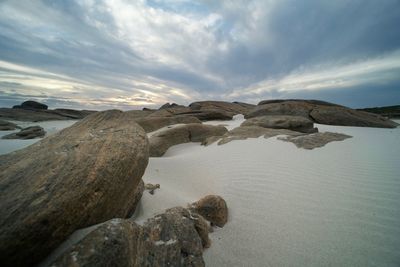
213, 208
388, 111
83, 175
42, 115
150, 124
310, 101
31, 105
168, 105
161, 141
315, 140
294, 123
7, 126
27, 133
71, 113
169, 112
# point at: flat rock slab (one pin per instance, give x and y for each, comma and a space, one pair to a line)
27, 133
294, 123
150, 124
193, 132
315, 140
244, 132
83, 175
232, 107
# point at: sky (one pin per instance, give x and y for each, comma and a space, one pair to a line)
105, 54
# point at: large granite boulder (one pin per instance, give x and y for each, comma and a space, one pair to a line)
294, 123
27, 133
235, 107
7, 126
193, 132
31, 105
176, 237
83, 175
213, 208
150, 124
208, 114
321, 112
349, 117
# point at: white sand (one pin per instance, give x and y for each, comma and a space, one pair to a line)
332, 206
51, 127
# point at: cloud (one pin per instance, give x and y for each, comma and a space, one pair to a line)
135, 53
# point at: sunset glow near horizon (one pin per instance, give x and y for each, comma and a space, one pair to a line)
131, 54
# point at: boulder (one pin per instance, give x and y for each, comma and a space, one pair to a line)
213, 208
7, 126
72, 113
150, 124
169, 112
208, 114
235, 107
176, 237
321, 112
193, 132
27, 133
315, 140
83, 175
294, 123
168, 105
349, 117
31, 105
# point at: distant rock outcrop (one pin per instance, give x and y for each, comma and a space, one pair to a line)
321, 112
27, 133
83, 175
161, 141
31, 105
235, 107
294, 123
7, 126
176, 237
389, 111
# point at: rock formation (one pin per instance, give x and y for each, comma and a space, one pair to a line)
235, 107
83, 175
27, 133
7, 126
150, 124
161, 141
213, 208
31, 105
315, 140
294, 123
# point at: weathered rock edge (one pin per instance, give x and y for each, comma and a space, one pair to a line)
176, 237
83, 175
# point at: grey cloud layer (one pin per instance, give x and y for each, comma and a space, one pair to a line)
126, 52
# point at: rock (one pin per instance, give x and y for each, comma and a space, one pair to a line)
213, 208
176, 237
294, 123
151, 124
7, 126
349, 117
83, 175
27, 133
139, 114
169, 112
31, 105
115, 243
42, 115
151, 187
168, 105
244, 132
208, 114
315, 140
388, 111
311, 101
321, 112
193, 132
235, 107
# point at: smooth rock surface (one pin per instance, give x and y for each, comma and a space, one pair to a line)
83, 175
208, 114
315, 140
161, 141
294, 123
323, 113
235, 107
27, 133
150, 124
